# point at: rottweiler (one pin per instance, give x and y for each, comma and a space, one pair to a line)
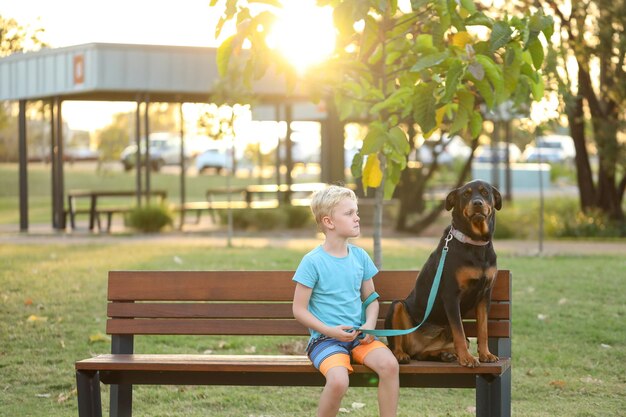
466, 282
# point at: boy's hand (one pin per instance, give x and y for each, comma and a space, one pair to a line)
343, 333
367, 338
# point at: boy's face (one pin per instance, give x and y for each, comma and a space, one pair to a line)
344, 219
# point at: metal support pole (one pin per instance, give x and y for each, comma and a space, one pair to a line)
146, 127
183, 168
138, 182
60, 194
23, 171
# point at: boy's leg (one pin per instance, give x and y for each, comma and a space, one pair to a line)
380, 359
337, 382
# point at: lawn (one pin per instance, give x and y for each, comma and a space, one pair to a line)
569, 333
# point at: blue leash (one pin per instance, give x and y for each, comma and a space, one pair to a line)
431, 301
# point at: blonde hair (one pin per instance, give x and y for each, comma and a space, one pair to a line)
324, 201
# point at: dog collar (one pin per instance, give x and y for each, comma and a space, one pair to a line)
463, 238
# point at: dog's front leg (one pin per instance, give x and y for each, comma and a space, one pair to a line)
482, 333
453, 312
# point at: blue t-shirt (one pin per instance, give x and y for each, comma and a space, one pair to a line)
336, 283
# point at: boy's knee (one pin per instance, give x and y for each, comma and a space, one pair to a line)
388, 366
338, 382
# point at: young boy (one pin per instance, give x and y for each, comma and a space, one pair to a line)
331, 281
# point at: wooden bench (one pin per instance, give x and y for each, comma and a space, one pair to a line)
96, 209
258, 303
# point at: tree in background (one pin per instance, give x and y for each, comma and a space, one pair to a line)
15, 38
429, 64
586, 65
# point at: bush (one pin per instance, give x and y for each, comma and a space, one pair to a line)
268, 219
150, 219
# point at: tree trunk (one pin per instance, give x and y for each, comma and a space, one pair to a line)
584, 177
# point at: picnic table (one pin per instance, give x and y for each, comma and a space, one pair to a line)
94, 210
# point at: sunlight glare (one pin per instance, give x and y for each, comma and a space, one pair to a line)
304, 34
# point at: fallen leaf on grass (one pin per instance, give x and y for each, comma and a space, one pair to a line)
36, 319
64, 396
357, 406
542, 317
28, 302
178, 260
590, 380
558, 383
605, 346
99, 337
46, 395
250, 349
344, 410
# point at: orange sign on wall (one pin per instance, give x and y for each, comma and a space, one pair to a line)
79, 69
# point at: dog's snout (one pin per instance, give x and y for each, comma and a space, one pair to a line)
477, 202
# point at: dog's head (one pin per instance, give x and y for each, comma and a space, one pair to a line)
473, 208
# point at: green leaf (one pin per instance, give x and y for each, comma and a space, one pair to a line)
494, 74
485, 91
224, 51
460, 120
500, 35
424, 106
479, 19
398, 139
374, 140
536, 52
429, 61
476, 124
453, 75
469, 5
356, 168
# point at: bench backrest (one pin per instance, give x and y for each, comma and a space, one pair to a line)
247, 302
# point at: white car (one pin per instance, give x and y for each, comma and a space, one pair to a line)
487, 153
213, 159
551, 148
164, 150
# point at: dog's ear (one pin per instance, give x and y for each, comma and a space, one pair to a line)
497, 198
451, 199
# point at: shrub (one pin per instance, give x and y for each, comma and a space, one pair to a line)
150, 219
297, 217
268, 219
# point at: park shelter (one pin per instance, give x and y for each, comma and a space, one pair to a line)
143, 74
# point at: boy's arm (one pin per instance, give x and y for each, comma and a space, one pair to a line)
371, 314
301, 298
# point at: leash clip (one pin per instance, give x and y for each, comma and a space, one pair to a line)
448, 239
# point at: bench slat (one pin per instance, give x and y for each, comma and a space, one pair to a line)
268, 285
236, 310
286, 327
260, 363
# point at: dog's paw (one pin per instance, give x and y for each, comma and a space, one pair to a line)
488, 357
402, 357
468, 360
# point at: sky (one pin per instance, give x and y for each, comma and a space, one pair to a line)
75, 22
158, 22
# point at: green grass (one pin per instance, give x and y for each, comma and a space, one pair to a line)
569, 334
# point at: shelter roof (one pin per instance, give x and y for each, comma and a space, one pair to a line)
121, 72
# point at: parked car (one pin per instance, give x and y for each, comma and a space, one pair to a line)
454, 149
164, 150
213, 158
551, 149
497, 152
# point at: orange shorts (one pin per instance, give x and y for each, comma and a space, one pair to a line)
328, 353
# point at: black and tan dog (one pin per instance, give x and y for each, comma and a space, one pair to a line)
468, 276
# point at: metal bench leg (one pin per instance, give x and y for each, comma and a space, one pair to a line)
121, 400
89, 401
493, 395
